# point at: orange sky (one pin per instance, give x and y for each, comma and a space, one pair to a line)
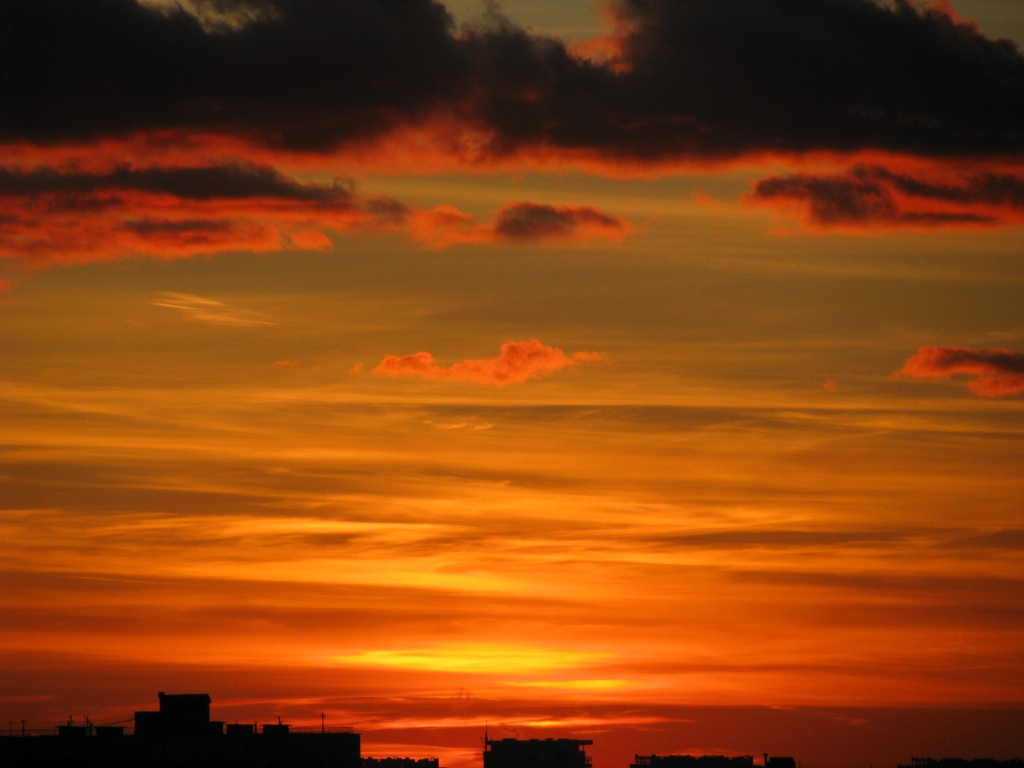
710, 452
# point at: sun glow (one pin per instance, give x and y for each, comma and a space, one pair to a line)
487, 658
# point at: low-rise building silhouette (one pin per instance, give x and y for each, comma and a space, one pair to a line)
180, 715
536, 753
181, 735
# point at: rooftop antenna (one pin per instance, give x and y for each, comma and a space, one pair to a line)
322, 730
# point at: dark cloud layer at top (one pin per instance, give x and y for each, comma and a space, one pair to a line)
315, 72
693, 78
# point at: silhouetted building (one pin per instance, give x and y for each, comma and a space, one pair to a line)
689, 761
779, 762
182, 714
181, 735
957, 762
70, 731
536, 753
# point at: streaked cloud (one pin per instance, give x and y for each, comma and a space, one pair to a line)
207, 310
593, 685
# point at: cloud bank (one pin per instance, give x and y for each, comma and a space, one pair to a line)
998, 372
518, 362
66, 215
685, 78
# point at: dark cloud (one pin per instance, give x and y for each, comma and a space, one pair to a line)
868, 196
50, 215
531, 222
691, 78
728, 76
307, 75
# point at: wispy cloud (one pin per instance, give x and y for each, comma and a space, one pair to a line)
447, 425
206, 310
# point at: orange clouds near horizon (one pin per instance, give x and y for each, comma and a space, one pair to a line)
519, 361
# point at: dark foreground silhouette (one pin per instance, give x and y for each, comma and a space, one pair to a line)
180, 734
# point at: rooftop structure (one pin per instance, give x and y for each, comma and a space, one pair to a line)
536, 753
179, 715
181, 735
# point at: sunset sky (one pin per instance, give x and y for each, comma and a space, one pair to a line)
649, 371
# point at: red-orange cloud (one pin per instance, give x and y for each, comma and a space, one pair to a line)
518, 361
999, 372
872, 197
67, 215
